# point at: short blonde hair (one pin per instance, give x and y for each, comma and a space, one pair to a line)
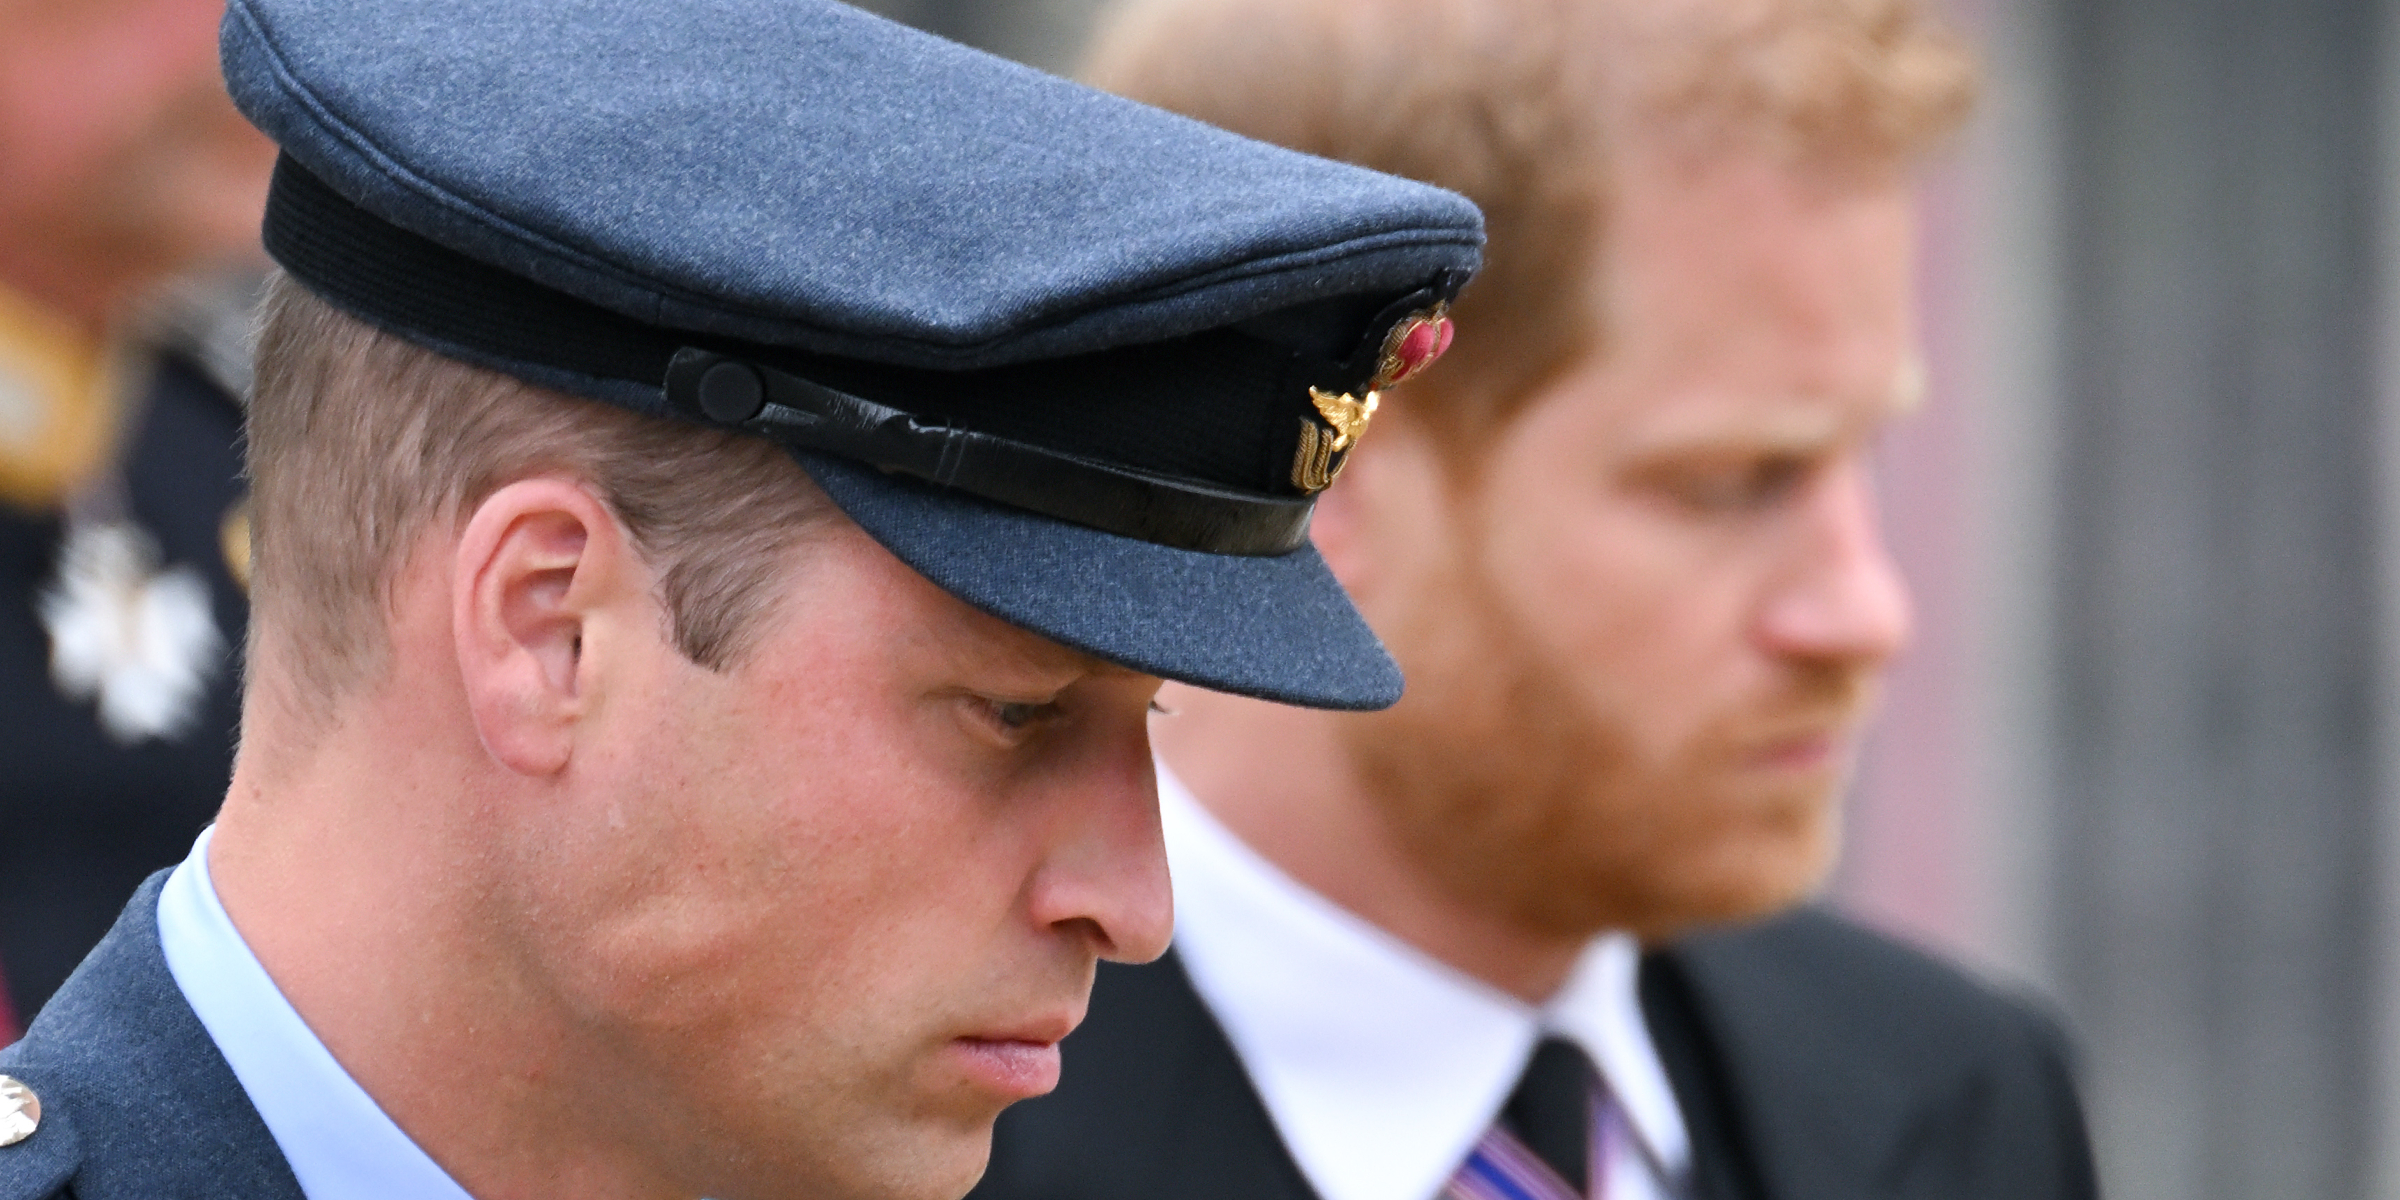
359, 441
1519, 104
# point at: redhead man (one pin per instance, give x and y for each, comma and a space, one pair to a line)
1625, 545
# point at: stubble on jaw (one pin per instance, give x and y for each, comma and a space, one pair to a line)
1523, 797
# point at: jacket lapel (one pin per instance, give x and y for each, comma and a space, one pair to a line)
1722, 1166
1768, 1073
145, 1105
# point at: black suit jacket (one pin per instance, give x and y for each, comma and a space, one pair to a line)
1813, 1060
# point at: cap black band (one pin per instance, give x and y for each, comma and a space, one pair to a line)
799, 412
1118, 471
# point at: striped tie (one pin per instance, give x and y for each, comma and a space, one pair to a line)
1554, 1138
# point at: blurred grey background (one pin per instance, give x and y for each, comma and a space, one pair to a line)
2142, 759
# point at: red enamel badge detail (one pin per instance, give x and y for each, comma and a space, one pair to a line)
1412, 346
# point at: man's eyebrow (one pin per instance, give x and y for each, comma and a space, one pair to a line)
1788, 429
1794, 431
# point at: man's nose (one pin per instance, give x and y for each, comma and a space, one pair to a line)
1839, 596
1106, 875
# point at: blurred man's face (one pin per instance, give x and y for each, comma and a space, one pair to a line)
1640, 643
832, 910
121, 159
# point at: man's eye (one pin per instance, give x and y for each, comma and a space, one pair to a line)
1757, 485
1021, 716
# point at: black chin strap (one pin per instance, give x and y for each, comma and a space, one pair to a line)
735, 393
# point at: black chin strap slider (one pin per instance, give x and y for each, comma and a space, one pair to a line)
730, 392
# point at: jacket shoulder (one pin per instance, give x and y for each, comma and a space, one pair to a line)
1867, 991
136, 1100
1856, 1065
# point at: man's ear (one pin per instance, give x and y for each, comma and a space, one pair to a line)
536, 562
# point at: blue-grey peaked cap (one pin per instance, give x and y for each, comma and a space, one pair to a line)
1067, 355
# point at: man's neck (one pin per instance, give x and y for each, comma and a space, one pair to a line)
1282, 781
367, 897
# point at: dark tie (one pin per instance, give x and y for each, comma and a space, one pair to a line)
1541, 1147
1551, 1110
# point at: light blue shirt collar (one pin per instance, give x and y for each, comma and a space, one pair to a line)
340, 1144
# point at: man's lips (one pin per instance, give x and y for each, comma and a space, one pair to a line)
1014, 1067
1806, 752
1018, 1060
1806, 745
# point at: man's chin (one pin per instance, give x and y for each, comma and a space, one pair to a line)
1767, 861
940, 1160
1752, 883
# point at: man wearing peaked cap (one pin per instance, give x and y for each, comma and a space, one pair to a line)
729, 478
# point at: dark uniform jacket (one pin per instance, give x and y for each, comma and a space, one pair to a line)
87, 816
1812, 1061
136, 1102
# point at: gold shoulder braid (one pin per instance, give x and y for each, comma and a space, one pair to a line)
60, 406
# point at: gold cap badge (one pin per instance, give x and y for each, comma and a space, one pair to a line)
20, 1111
1314, 468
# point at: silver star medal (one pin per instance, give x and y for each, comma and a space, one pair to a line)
141, 642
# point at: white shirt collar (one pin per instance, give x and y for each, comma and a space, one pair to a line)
340, 1144
1380, 1065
